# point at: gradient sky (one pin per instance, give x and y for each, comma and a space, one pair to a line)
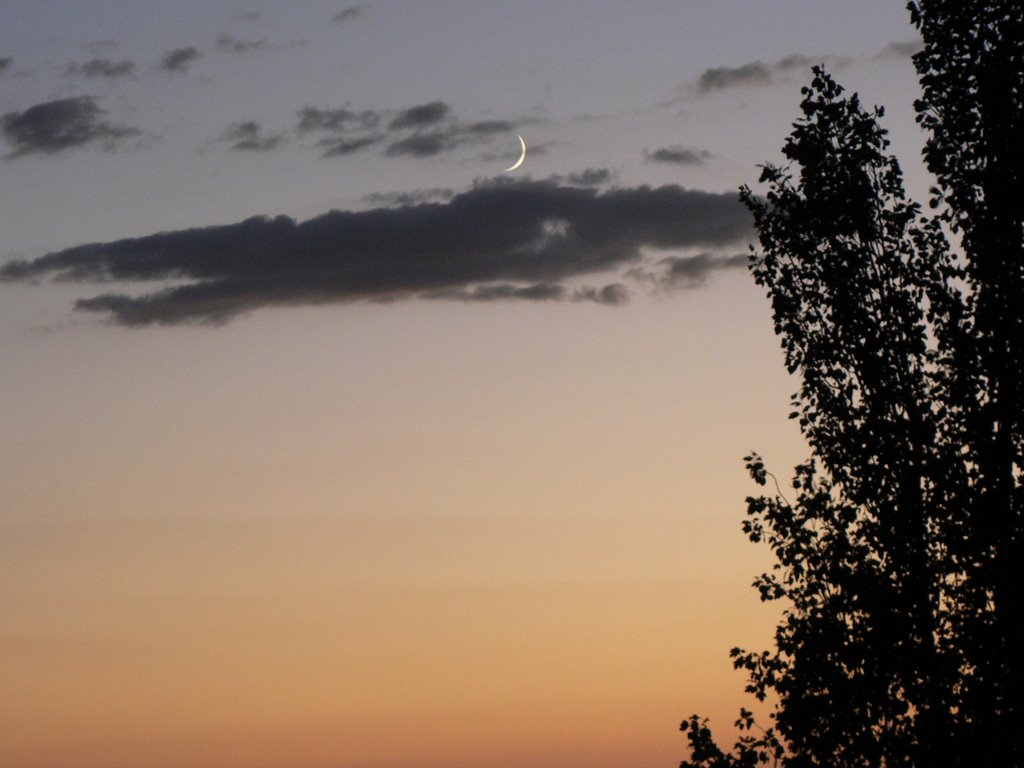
326, 443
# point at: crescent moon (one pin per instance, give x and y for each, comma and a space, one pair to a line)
522, 157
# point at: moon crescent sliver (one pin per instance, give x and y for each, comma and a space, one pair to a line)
522, 157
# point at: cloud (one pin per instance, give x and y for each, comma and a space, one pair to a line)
348, 14
591, 177
421, 130
754, 73
179, 59
55, 126
511, 240
795, 61
421, 145
420, 116
613, 294
757, 73
445, 138
351, 131
234, 45
248, 136
341, 146
6, 62
247, 16
902, 49
231, 44
337, 120
445, 132
485, 127
687, 271
103, 68
677, 155
409, 198
693, 271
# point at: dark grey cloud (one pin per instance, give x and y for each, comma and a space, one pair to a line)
247, 16
436, 130
686, 271
337, 120
420, 116
350, 131
451, 135
421, 130
613, 294
421, 145
754, 73
348, 14
757, 73
179, 59
485, 127
591, 177
103, 68
231, 44
677, 155
6, 62
496, 240
55, 126
341, 146
248, 136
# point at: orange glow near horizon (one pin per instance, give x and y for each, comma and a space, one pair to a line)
443, 576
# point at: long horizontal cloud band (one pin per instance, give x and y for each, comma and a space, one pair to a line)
522, 234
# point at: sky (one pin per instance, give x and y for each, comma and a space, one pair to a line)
327, 442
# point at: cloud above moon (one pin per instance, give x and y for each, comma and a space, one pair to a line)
420, 116
516, 240
418, 131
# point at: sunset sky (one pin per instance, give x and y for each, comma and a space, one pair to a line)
328, 444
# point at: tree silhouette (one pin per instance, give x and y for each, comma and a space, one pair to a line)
900, 641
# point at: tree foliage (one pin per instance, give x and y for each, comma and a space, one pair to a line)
900, 640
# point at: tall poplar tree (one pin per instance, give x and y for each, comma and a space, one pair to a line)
897, 559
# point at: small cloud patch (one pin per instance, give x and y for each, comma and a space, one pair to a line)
179, 59
56, 126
